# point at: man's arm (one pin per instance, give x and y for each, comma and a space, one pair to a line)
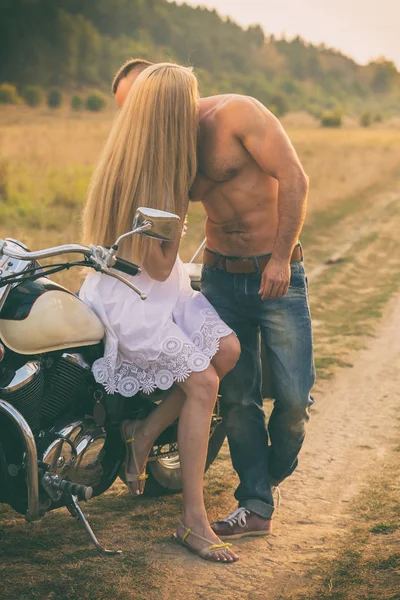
266, 141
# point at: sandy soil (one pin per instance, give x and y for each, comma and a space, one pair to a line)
350, 432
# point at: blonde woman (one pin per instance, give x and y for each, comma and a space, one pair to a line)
174, 339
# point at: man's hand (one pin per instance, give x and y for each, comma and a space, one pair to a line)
275, 279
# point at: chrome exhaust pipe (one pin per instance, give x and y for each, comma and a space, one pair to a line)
32, 513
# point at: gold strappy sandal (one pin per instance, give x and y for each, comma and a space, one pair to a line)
130, 477
205, 553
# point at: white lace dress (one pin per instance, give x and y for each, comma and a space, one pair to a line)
152, 343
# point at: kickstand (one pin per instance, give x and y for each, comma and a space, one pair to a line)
76, 511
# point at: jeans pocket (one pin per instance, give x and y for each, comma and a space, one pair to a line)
298, 279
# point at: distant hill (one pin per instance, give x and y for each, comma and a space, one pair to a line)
73, 43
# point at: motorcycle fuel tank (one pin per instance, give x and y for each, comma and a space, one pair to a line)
42, 316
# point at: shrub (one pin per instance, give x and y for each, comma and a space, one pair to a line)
366, 119
332, 119
95, 102
32, 95
8, 94
378, 118
4, 177
76, 102
314, 110
54, 98
279, 105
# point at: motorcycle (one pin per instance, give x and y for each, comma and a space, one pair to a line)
59, 430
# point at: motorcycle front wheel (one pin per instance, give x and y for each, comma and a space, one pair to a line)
165, 472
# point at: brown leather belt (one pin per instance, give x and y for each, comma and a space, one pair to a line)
239, 264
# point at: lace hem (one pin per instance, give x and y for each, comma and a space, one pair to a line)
175, 362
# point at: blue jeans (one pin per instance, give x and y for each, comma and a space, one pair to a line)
263, 455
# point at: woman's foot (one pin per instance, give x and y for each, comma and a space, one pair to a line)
137, 452
198, 537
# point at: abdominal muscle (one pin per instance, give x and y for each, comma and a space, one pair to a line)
242, 220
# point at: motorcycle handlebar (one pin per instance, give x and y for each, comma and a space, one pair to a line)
48, 253
120, 264
102, 259
126, 267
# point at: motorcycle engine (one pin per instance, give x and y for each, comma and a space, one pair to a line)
55, 396
42, 390
69, 442
66, 385
25, 391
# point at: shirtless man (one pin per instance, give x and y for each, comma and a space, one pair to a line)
254, 191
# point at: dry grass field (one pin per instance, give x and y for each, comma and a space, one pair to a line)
46, 161
352, 252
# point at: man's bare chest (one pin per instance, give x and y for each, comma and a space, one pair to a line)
219, 162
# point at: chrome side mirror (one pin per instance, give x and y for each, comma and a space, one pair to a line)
156, 224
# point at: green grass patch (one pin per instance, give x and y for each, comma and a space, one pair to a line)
384, 528
393, 562
40, 200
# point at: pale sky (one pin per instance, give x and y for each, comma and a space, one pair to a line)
362, 29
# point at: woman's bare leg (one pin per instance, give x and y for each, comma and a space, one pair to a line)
147, 430
201, 391
227, 356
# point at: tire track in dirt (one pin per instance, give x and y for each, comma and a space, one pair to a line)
350, 230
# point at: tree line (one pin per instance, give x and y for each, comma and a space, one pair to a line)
80, 43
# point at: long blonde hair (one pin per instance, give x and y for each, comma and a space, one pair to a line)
148, 160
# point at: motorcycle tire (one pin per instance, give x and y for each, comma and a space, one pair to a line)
165, 473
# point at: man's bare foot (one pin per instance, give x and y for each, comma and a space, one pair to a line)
198, 536
137, 452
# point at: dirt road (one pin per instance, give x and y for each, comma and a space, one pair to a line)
351, 430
